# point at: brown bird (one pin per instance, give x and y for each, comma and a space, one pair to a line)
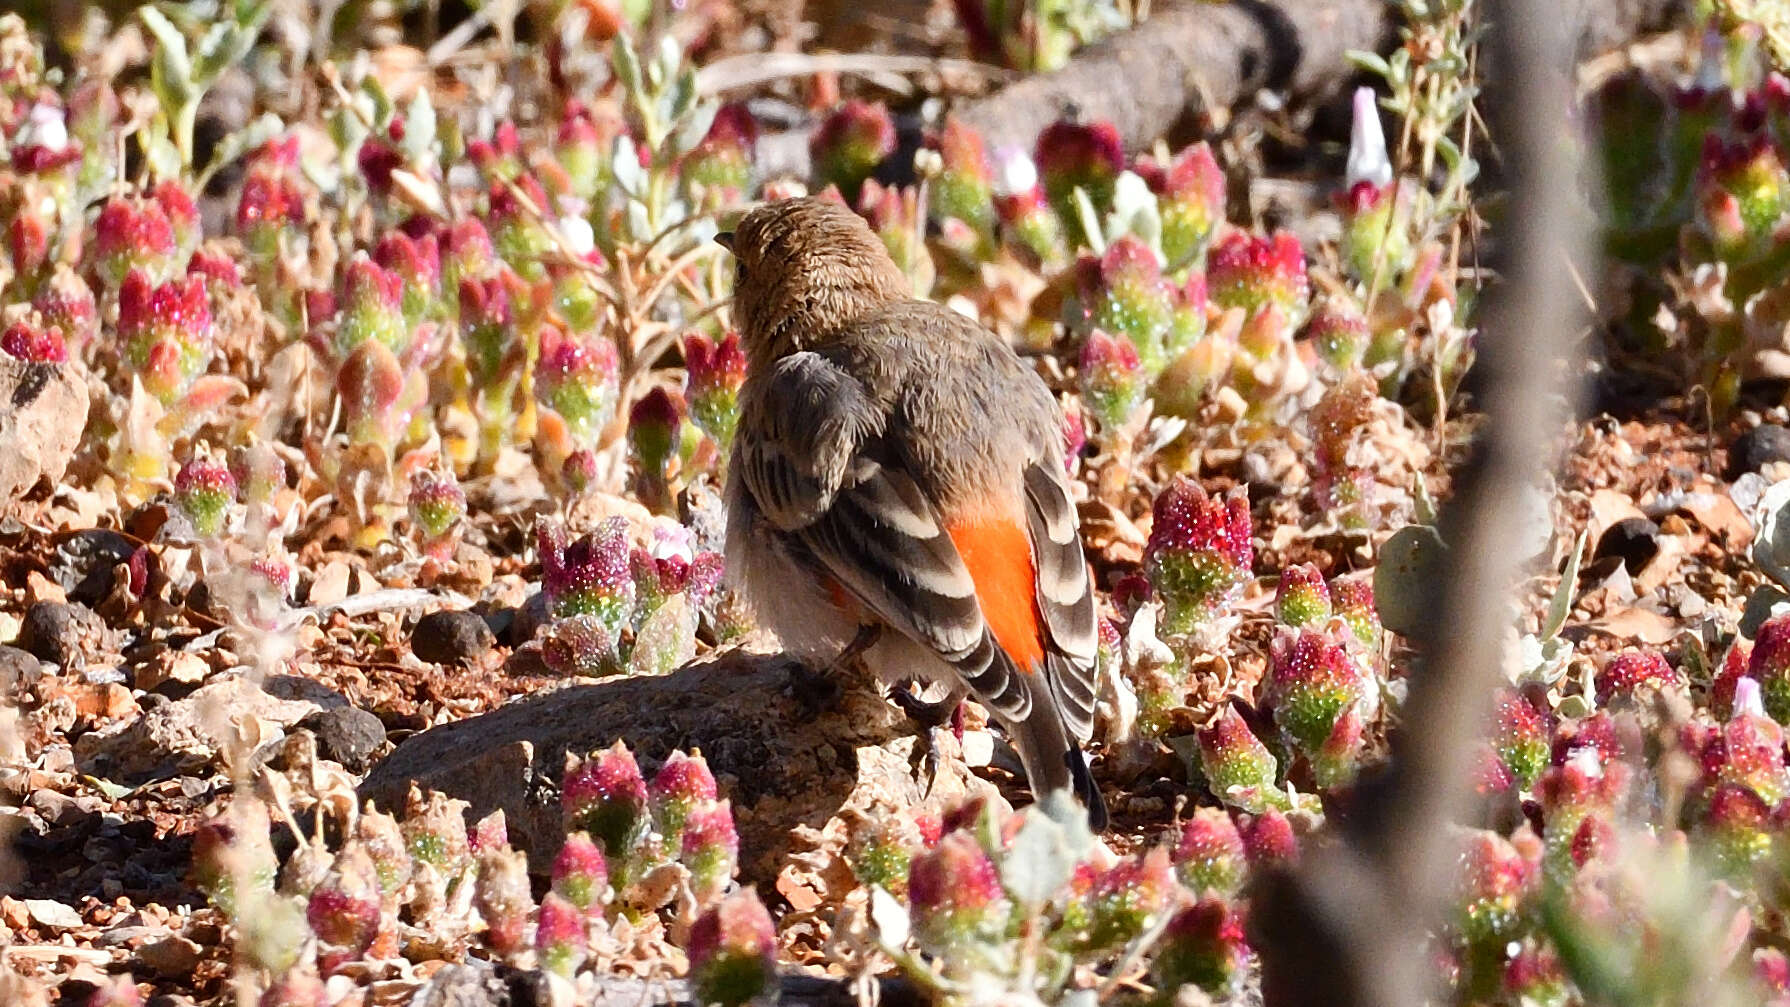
897, 489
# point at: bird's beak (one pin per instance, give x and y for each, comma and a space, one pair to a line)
725, 240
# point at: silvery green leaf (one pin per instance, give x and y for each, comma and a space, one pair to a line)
624, 167
889, 917
1576, 707
671, 56
419, 129
683, 94
215, 51
626, 64
1368, 61
381, 103
692, 127
168, 36
163, 157
1764, 603
640, 225
1411, 565
346, 130
666, 641
1423, 506
1771, 544
1135, 212
1090, 221
1039, 861
1561, 605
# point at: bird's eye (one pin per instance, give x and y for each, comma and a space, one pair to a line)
739, 272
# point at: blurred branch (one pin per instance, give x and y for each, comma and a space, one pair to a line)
1350, 929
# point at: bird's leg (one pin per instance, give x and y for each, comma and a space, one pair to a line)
819, 689
868, 634
932, 717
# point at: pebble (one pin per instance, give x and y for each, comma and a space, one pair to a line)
54, 632
346, 734
1757, 448
452, 638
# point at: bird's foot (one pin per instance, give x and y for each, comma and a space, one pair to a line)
930, 714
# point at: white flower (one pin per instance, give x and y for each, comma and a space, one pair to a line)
1367, 144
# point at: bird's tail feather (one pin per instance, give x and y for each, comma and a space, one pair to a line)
1053, 761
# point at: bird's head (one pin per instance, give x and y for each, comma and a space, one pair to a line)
806, 268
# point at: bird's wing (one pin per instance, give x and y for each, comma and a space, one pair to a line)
812, 453
1065, 594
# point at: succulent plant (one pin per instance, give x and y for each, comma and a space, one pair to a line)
1085, 156
955, 895
964, 188
1258, 273
606, 797
1769, 665
503, 898
1302, 601
581, 874
1113, 381
1190, 198
578, 378
1322, 696
733, 951
166, 331
849, 145
1209, 854
714, 373
204, 491
1520, 739
1199, 554
591, 576
23, 341
1240, 771
437, 508
1204, 946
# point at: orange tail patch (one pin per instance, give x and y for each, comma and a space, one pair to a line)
998, 554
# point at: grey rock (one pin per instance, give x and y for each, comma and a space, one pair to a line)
452, 638
43, 409
174, 736
782, 759
346, 734
56, 632
17, 666
85, 564
1758, 447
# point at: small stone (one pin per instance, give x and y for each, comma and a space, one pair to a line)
17, 666
50, 913
452, 638
334, 582
1758, 448
1635, 540
109, 701
529, 620
43, 409
346, 734
40, 588
55, 631
170, 957
85, 564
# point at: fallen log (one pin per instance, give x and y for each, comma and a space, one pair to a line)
783, 758
1194, 64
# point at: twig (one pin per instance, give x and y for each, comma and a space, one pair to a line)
1399, 866
752, 69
